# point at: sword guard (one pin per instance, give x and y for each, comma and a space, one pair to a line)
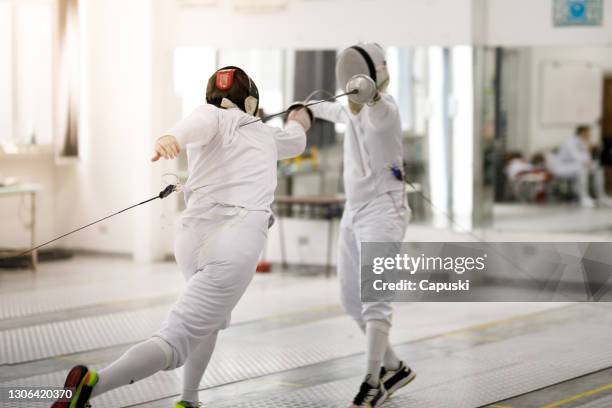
170, 188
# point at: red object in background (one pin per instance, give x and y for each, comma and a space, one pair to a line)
264, 267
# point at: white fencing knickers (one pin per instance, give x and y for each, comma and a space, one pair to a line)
218, 254
383, 219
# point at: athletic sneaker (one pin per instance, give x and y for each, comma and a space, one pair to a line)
393, 380
186, 404
370, 396
587, 202
81, 381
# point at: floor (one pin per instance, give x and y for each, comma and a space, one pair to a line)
555, 218
290, 344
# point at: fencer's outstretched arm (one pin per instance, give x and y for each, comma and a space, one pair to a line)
198, 129
383, 113
291, 141
330, 111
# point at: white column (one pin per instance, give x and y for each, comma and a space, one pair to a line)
154, 222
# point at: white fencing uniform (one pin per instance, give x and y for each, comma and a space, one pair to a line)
573, 157
574, 162
375, 208
232, 178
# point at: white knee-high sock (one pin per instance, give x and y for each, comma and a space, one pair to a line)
195, 366
141, 361
377, 333
390, 360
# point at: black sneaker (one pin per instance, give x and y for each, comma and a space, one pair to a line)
370, 396
393, 380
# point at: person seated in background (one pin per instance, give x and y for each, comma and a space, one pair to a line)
538, 161
516, 165
527, 179
574, 161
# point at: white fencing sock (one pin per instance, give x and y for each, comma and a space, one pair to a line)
391, 361
195, 366
377, 333
140, 361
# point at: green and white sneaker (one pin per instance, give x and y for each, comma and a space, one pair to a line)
186, 404
81, 382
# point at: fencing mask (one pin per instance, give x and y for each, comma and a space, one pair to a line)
231, 87
363, 58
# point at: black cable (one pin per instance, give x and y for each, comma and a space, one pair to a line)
444, 213
162, 194
166, 191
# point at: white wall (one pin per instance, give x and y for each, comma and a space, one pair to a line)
6, 69
532, 135
333, 24
127, 57
127, 100
15, 210
330, 24
114, 170
530, 22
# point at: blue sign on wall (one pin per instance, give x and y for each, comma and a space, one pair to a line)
578, 12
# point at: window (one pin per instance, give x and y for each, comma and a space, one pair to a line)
26, 55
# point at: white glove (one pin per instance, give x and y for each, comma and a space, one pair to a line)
166, 147
300, 116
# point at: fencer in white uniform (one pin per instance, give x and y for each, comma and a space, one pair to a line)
574, 161
376, 210
221, 233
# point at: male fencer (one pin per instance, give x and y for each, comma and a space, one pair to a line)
375, 211
221, 233
574, 161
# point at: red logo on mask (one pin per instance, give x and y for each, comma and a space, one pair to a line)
225, 79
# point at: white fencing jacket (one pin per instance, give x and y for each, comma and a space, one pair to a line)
233, 165
574, 151
372, 144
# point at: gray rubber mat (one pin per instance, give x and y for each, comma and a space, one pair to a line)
57, 290
463, 369
481, 375
73, 336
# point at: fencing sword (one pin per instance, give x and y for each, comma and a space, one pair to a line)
171, 188
360, 89
299, 105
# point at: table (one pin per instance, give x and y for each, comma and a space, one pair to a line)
313, 207
31, 190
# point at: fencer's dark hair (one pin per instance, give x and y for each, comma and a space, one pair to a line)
243, 87
581, 129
